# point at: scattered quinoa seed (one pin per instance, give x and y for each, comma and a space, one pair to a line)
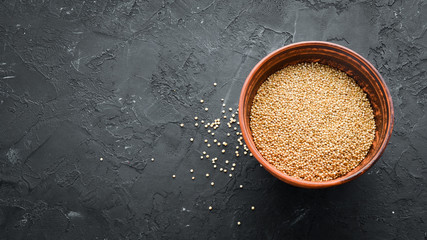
238, 223
252, 208
201, 100
181, 125
241, 186
101, 159
207, 174
210, 208
173, 176
212, 183
191, 139
206, 109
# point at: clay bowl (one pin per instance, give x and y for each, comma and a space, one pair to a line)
336, 56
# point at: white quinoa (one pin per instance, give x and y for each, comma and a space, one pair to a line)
312, 122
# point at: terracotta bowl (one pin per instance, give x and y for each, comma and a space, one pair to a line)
336, 56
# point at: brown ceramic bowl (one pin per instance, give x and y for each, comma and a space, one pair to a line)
336, 56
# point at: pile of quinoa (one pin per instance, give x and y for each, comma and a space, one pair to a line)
312, 122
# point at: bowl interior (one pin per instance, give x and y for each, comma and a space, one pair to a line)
366, 76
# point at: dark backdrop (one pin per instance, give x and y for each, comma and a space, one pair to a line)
84, 80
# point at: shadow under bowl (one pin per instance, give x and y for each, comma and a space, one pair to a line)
342, 58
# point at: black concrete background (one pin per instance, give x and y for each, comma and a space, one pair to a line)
81, 80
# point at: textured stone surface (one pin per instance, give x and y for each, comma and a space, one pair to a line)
80, 80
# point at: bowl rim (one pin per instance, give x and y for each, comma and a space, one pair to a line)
299, 182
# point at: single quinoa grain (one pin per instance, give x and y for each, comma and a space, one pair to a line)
312, 122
